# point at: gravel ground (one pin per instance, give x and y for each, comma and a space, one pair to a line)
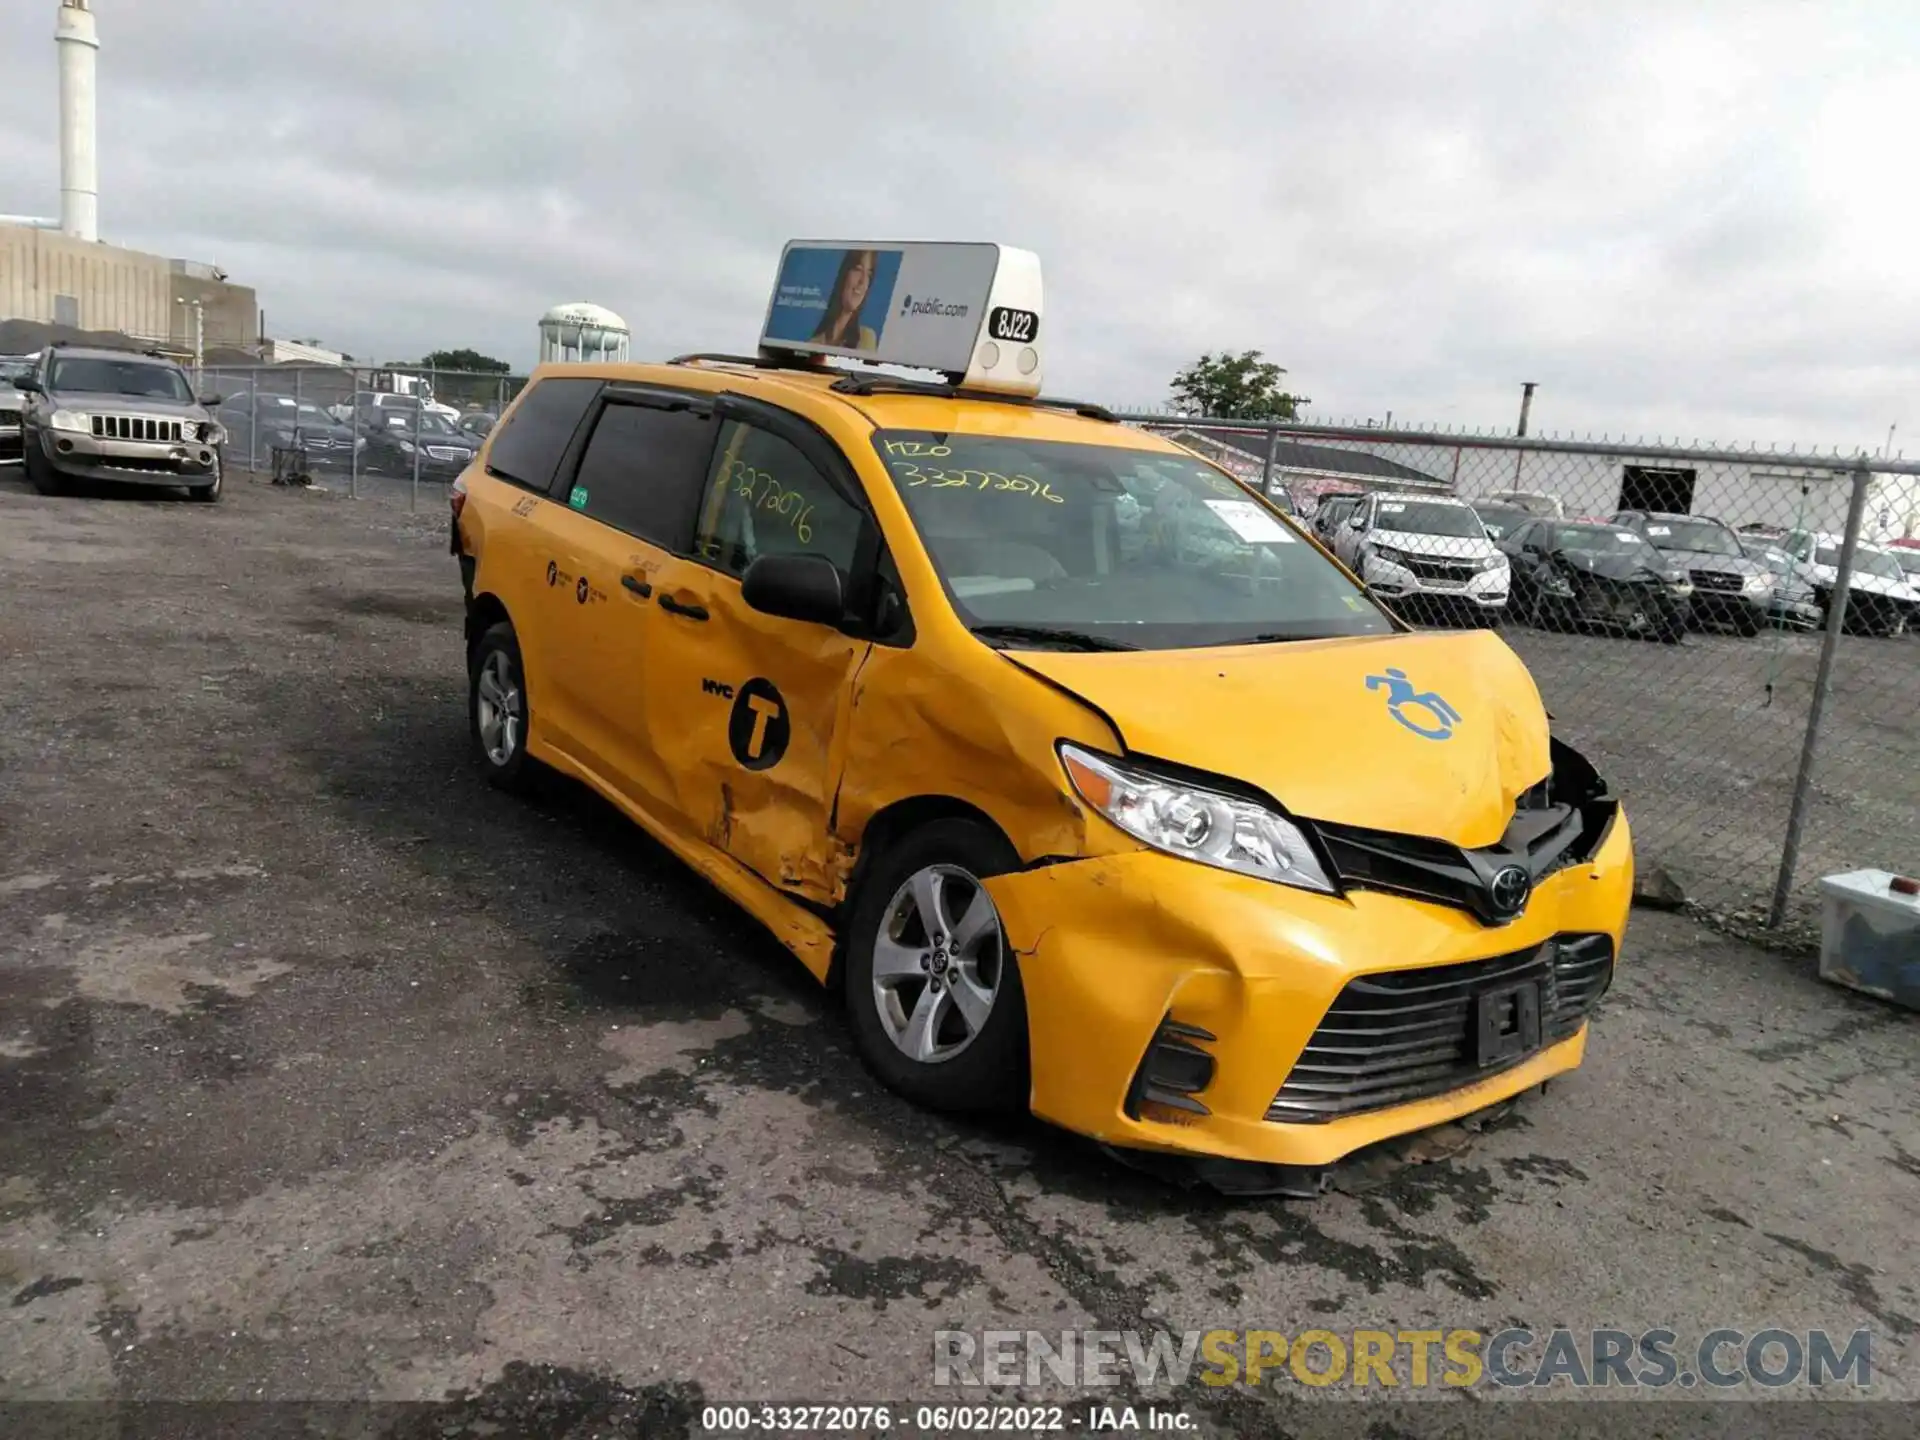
1704, 740
328, 1073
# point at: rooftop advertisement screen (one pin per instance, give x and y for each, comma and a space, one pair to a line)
918, 304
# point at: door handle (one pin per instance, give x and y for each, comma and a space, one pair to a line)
637, 586
674, 607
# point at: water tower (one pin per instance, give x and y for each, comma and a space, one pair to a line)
581, 332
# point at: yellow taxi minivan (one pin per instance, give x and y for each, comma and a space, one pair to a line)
1091, 782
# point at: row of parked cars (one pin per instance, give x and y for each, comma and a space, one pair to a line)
1437, 557
389, 433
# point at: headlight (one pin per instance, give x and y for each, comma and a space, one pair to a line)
1196, 824
1757, 584
406, 447
1682, 588
213, 433
1386, 554
1557, 586
70, 420
1493, 562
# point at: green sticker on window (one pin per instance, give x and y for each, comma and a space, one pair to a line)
577, 497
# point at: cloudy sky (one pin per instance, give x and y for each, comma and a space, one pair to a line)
1679, 218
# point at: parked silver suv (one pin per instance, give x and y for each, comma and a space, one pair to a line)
117, 416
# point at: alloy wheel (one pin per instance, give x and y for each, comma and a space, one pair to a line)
499, 707
937, 963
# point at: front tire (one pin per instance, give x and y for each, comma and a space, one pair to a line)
933, 987
208, 493
497, 710
40, 472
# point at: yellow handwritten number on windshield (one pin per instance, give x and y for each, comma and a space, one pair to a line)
976, 480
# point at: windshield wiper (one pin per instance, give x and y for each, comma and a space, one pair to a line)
1042, 634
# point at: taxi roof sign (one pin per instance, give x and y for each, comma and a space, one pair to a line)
970, 311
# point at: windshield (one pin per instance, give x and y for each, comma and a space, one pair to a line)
432, 424
134, 378
1865, 561
1429, 517
1604, 539
1706, 537
1139, 548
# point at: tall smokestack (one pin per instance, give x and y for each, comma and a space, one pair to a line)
74, 37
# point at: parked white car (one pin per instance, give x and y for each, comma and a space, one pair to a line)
386, 400
1881, 600
1426, 555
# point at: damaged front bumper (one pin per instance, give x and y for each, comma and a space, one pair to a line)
130, 462
1189, 1012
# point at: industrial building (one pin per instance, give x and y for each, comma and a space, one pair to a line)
58, 272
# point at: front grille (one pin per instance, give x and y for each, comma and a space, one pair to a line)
135, 427
446, 452
1405, 1035
1441, 569
1714, 580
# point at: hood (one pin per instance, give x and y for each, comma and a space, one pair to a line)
1711, 560
88, 402
1313, 724
1440, 547
1620, 564
1864, 581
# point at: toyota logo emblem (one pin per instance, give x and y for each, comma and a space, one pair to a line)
1509, 889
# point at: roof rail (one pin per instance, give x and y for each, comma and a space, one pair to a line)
856, 384
756, 362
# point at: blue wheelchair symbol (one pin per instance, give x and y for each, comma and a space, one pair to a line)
1401, 696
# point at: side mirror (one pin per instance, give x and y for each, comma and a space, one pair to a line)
209, 401
796, 587
29, 384
1358, 522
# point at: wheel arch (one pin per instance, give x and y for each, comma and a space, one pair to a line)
484, 611
886, 826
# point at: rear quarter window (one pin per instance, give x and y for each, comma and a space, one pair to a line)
528, 445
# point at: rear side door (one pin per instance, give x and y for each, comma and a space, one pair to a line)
750, 713
509, 534
627, 509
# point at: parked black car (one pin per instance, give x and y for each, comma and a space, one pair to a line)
394, 436
1573, 574
257, 423
1729, 588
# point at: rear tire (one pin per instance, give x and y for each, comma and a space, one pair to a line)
937, 1009
497, 710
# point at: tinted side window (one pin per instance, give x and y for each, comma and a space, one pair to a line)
765, 498
642, 472
529, 446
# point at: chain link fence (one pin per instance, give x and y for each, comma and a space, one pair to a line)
370, 429
1732, 636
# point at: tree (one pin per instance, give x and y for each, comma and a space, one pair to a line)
1235, 387
471, 360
